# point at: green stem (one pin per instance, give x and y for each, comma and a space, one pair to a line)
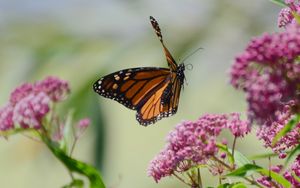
74, 165
199, 178
180, 179
233, 146
231, 168
222, 163
192, 179
73, 147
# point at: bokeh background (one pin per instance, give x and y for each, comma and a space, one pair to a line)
80, 41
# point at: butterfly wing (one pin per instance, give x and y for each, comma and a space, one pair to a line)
130, 87
171, 62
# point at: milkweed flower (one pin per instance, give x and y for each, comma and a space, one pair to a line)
30, 103
163, 164
6, 121
293, 174
192, 143
268, 71
29, 111
266, 181
56, 89
288, 141
81, 126
285, 16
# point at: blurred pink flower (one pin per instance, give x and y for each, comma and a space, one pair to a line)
55, 88
20, 92
163, 164
6, 121
238, 127
267, 133
269, 73
29, 103
289, 175
81, 126
293, 171
194, 142
285, 16
29, 111
267, 181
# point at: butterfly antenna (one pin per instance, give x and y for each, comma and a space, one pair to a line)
192, 54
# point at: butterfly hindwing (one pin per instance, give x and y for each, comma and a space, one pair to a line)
161, 103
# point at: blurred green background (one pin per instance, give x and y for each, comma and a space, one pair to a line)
80, 41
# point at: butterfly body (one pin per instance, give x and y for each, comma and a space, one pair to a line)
152, 91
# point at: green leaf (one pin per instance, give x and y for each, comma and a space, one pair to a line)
76, 166
263, 156
67, 132
296, 16
296, 177
234, 185
287, 128
240, 159
294, 152
246, 169
239, 185
279, 2
76, 183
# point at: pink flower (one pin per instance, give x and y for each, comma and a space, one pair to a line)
29, 111
267, 181
55, 88
286, 14
81, 126
269, 73
21, 92
162, 165
292, 172
6, 121
29, 103
193, 143
267, 133
238, 127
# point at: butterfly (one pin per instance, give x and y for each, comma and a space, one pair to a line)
152, 91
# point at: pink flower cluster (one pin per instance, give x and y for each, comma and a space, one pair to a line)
292, 175
286, 14
29, 103
268, 71
193, 143
290, 140
267, 181
294, 172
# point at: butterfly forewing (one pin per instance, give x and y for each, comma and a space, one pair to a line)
130, 86
171, 62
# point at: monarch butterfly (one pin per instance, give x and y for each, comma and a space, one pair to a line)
152, 91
